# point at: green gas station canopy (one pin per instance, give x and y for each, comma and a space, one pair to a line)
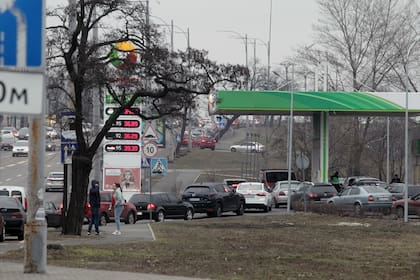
278, 102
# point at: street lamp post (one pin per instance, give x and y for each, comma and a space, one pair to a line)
406, 135
289, 146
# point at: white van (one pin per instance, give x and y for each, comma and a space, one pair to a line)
15, 191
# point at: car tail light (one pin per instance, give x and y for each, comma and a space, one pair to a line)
25, 203
370, 198
394, 198
226, 190
234, 186
312, 195
203, 141
261, 194
151, 206
282, 194
16, 214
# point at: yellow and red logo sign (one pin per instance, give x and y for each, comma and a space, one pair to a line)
123, 54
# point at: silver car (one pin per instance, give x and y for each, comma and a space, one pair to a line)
248, 147
20, 148
281, 191
363, 198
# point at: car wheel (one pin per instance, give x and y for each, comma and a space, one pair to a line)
21, 236
266, 208
130, 219
241, 209
160, 216
400, 212
233, 150
358, 211
103, 220
189, 214
277, 205
218, 211
13, 155
3, 234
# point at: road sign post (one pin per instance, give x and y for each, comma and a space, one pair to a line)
22, 91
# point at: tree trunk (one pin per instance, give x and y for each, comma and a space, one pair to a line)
81, 167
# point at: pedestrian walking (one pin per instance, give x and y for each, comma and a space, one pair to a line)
118, 207
95, 204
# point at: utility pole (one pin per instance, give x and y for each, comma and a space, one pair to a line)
35, 246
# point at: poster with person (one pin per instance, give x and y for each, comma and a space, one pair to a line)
128, 177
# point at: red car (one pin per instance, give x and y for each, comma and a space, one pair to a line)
413, 206
208, 142
195, 141
106, 211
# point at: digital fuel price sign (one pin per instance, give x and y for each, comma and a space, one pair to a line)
122, 148
122, 136
126, 123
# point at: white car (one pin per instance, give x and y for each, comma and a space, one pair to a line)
51, 132
280, 191
256, 195
250, 147
55, 180
20, 148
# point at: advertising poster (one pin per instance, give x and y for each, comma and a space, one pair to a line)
128, 177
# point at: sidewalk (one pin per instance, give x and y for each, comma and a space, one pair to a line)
141, 231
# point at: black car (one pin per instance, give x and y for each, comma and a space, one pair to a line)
2, 228
161, 205
214, 199
14, 216
309, 192
50, 145
52, 214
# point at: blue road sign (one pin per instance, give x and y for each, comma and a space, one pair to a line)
159, 165
21, 23
68, 144
67, 150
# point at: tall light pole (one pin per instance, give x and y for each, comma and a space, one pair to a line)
289, 146
406, 135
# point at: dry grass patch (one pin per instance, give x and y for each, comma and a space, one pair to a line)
297, 246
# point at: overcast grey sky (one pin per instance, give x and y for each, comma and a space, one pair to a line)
292, 22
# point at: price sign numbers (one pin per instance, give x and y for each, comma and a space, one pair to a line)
122, 148
126, 123
122, 136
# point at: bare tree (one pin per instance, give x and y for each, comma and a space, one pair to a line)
169, 81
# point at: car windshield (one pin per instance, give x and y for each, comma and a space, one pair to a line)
252, 187
56, 175
293, 186
197, 189
374, 189
21, 143
324, 188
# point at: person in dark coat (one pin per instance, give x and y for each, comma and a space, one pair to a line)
95, 204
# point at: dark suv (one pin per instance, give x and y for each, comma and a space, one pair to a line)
161, 205
214, 199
